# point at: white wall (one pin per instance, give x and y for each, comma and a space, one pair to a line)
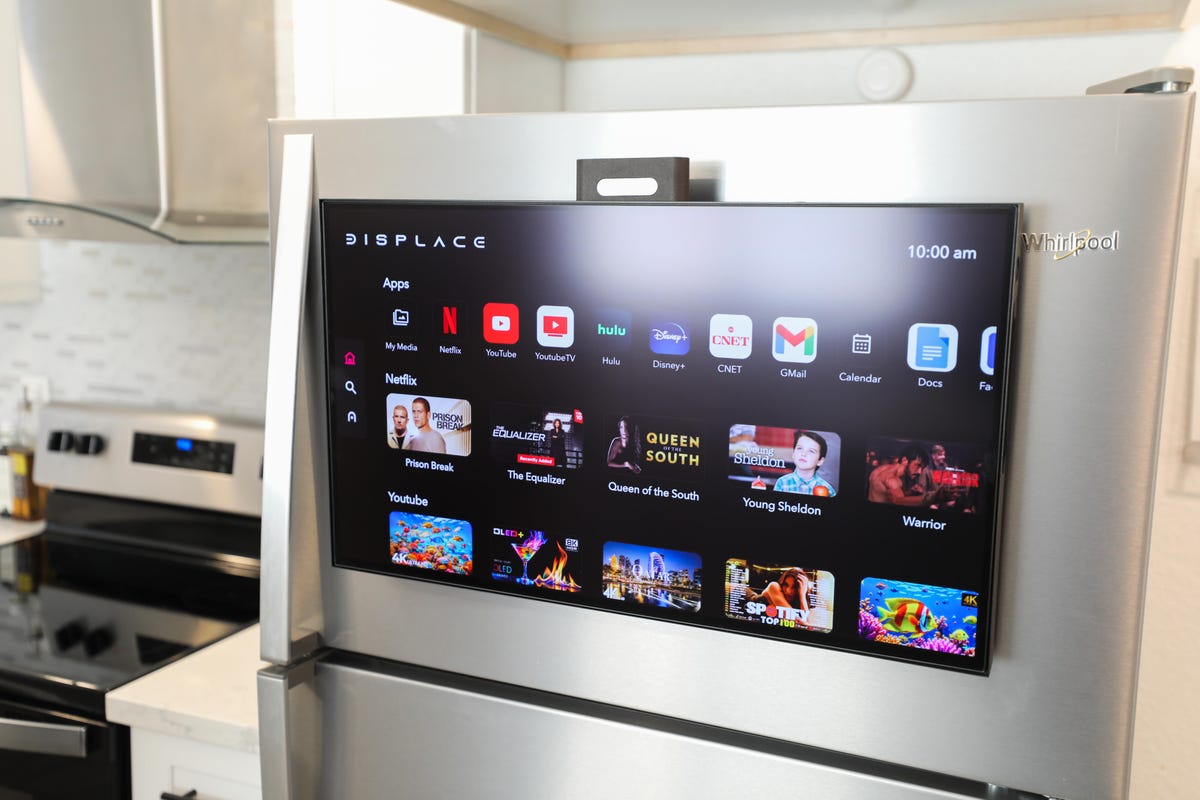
146, 325
1043, 66
504, 77
374, 58
18, 259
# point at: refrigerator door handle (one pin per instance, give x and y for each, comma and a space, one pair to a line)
289, 736
1160, 80
281, 557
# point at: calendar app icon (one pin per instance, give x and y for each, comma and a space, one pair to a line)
860, 343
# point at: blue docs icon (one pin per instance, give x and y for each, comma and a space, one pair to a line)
932, 347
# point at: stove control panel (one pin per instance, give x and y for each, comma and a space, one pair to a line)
183, 452
161, 456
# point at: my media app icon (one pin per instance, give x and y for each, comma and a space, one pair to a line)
794, 340
501, 323
932, 347
612, 326
987, 351
555, 326
730, 335
669, 337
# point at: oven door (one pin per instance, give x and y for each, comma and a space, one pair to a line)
48, 755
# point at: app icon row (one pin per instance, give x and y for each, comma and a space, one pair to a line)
931, 346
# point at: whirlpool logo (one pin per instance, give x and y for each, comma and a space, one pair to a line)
1066, 245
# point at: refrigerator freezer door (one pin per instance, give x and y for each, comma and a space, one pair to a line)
377, 730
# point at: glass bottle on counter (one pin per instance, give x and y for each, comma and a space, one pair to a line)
27, 496
7, 436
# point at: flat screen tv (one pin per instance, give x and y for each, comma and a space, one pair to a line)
772, 420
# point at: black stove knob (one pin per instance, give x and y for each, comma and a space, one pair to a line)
68, 635
98, 641
61, 441
89, 444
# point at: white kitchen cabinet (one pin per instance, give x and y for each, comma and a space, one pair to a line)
194, 723
165, 763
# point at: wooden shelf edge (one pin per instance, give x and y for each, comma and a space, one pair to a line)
881, 37
817, 40
503, 29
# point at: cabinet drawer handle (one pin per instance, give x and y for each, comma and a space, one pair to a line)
172, 796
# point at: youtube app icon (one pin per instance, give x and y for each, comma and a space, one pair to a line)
555, 326
501, 323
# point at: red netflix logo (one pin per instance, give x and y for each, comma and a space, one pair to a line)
449, 320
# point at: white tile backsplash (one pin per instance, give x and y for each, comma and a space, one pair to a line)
153, 326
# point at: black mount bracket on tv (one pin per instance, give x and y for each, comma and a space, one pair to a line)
652, 180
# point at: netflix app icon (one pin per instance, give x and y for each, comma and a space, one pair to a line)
448, 320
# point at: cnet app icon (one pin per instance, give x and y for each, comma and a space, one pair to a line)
501, 323
730, 335
555, 326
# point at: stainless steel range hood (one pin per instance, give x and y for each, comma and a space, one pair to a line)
145, 120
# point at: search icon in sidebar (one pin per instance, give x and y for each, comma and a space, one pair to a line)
350, 387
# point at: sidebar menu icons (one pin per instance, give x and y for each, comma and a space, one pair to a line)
348, 373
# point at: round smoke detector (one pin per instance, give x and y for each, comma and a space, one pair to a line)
884, 75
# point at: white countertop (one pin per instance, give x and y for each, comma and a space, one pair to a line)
14, 530
209, 696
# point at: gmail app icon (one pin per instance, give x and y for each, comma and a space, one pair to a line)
794, 340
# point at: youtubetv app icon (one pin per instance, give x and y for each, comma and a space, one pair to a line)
669, 337
612, 326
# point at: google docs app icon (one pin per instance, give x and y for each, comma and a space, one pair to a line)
932, 347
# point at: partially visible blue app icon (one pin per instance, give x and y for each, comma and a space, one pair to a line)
987, 351
932, 347
669, 338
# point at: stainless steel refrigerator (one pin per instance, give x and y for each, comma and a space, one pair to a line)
508, 551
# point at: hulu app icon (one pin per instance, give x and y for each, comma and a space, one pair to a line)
612, 328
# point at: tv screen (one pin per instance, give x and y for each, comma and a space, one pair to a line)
773, 420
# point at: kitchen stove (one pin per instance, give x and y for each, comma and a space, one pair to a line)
150, 551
